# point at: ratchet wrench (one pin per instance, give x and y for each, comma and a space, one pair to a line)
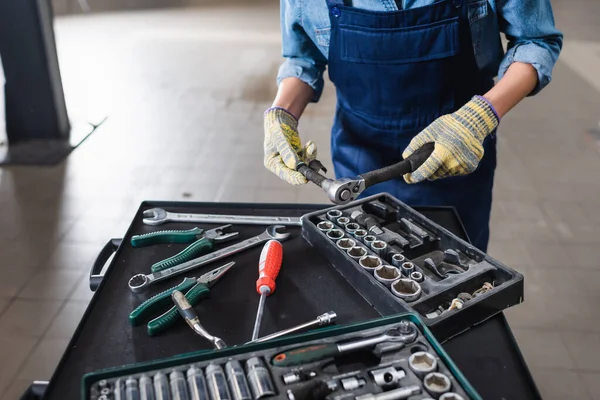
139, 282
158, 216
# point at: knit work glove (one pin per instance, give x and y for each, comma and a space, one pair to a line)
283, 149
458, 139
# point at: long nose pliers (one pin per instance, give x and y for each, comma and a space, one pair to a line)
201, 242
193, 289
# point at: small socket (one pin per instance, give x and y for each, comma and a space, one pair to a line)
379, 247
357, 252
102, 383
406, 289
436, 383
103, 397
398, 259
360, 234
352, 227
417, 276
325, 226
333, 215
370, 263
343, 221
387, 274
422, 363
369, 239
407, 268
353, 383
105, 391
451, 396
335, 234
345, 244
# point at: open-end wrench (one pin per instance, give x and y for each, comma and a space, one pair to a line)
139, 282
158, 216
345, 190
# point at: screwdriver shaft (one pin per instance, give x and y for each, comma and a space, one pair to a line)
259, 314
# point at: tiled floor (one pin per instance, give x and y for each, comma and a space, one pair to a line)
185, 90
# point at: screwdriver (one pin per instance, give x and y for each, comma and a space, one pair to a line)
269, 265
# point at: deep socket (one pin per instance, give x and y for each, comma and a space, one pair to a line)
398, 260
178, 386
259, 378
422, 363
132, 392
352, 227
146, 388
406, 289
333, 215
370, 263
119, 391
345, 244
335, 234
217, 383
325, 226
407, 268
387, 274
357, 252
197, 384
161, 387
417, 276
343, 221
436, 383
237, 381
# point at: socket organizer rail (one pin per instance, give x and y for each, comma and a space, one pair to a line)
347, 362
400, 261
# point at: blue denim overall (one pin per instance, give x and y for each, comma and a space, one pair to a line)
396, 72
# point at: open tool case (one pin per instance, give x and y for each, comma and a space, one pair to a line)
388, 367
458, 285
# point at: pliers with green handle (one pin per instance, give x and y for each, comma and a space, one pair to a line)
194, 290
201, 242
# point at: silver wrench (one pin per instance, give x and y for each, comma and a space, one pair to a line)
139, 282
158, 216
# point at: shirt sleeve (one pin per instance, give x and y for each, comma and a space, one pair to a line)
303, 59
532, 37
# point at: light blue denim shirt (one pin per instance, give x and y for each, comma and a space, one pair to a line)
527, 24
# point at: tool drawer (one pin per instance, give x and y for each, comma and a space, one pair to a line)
400, 261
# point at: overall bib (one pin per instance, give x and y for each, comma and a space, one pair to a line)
396, 72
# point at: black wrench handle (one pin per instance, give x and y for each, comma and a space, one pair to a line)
312, 175
398, 170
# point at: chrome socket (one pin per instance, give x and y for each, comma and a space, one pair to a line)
360, 234
422, 363
436, 383
357, 252
417, 276
406, 289
345, 244
398, 259
387, 377
335, 234
352, 227
367, 240
333, 215
451, 396
353, 383
370, 263
407, 268
387, 274
379, 247
325, 226
343, 221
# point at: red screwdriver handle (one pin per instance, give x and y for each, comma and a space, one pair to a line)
269, 265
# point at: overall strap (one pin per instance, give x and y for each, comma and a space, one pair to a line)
331, 3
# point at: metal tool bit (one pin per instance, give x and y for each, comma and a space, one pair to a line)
345, 244
357, 252
422, 363
353, 383
335, 234
417, 276
178, 386
398, 260
396, 394
132, 392
333, 215
379, 247
325, 226
407, 268
352, 227
237, 381
119, 390
197, 384
436, 383
451, 396
370, 263
146, 388
158, 216
387, 377
360, 234
298, 376
217, 383
406, 289
161, 387
323, 319
190, 316
259, 378
386, 274
343, 221
139, 282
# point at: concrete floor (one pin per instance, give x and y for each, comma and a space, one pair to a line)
185, 89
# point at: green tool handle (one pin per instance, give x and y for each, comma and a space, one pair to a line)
305, 355
194, 250
158, 325
150, 306
172, 236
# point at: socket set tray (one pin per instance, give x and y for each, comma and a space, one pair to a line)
400, 261
388, 358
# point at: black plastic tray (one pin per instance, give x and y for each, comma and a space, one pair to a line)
420, 239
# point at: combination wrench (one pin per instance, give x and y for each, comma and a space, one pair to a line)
158, 216
140, 282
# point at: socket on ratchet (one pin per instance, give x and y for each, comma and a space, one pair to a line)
158, 216
140, 282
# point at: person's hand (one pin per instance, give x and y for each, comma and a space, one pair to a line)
458, 139
283, 149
